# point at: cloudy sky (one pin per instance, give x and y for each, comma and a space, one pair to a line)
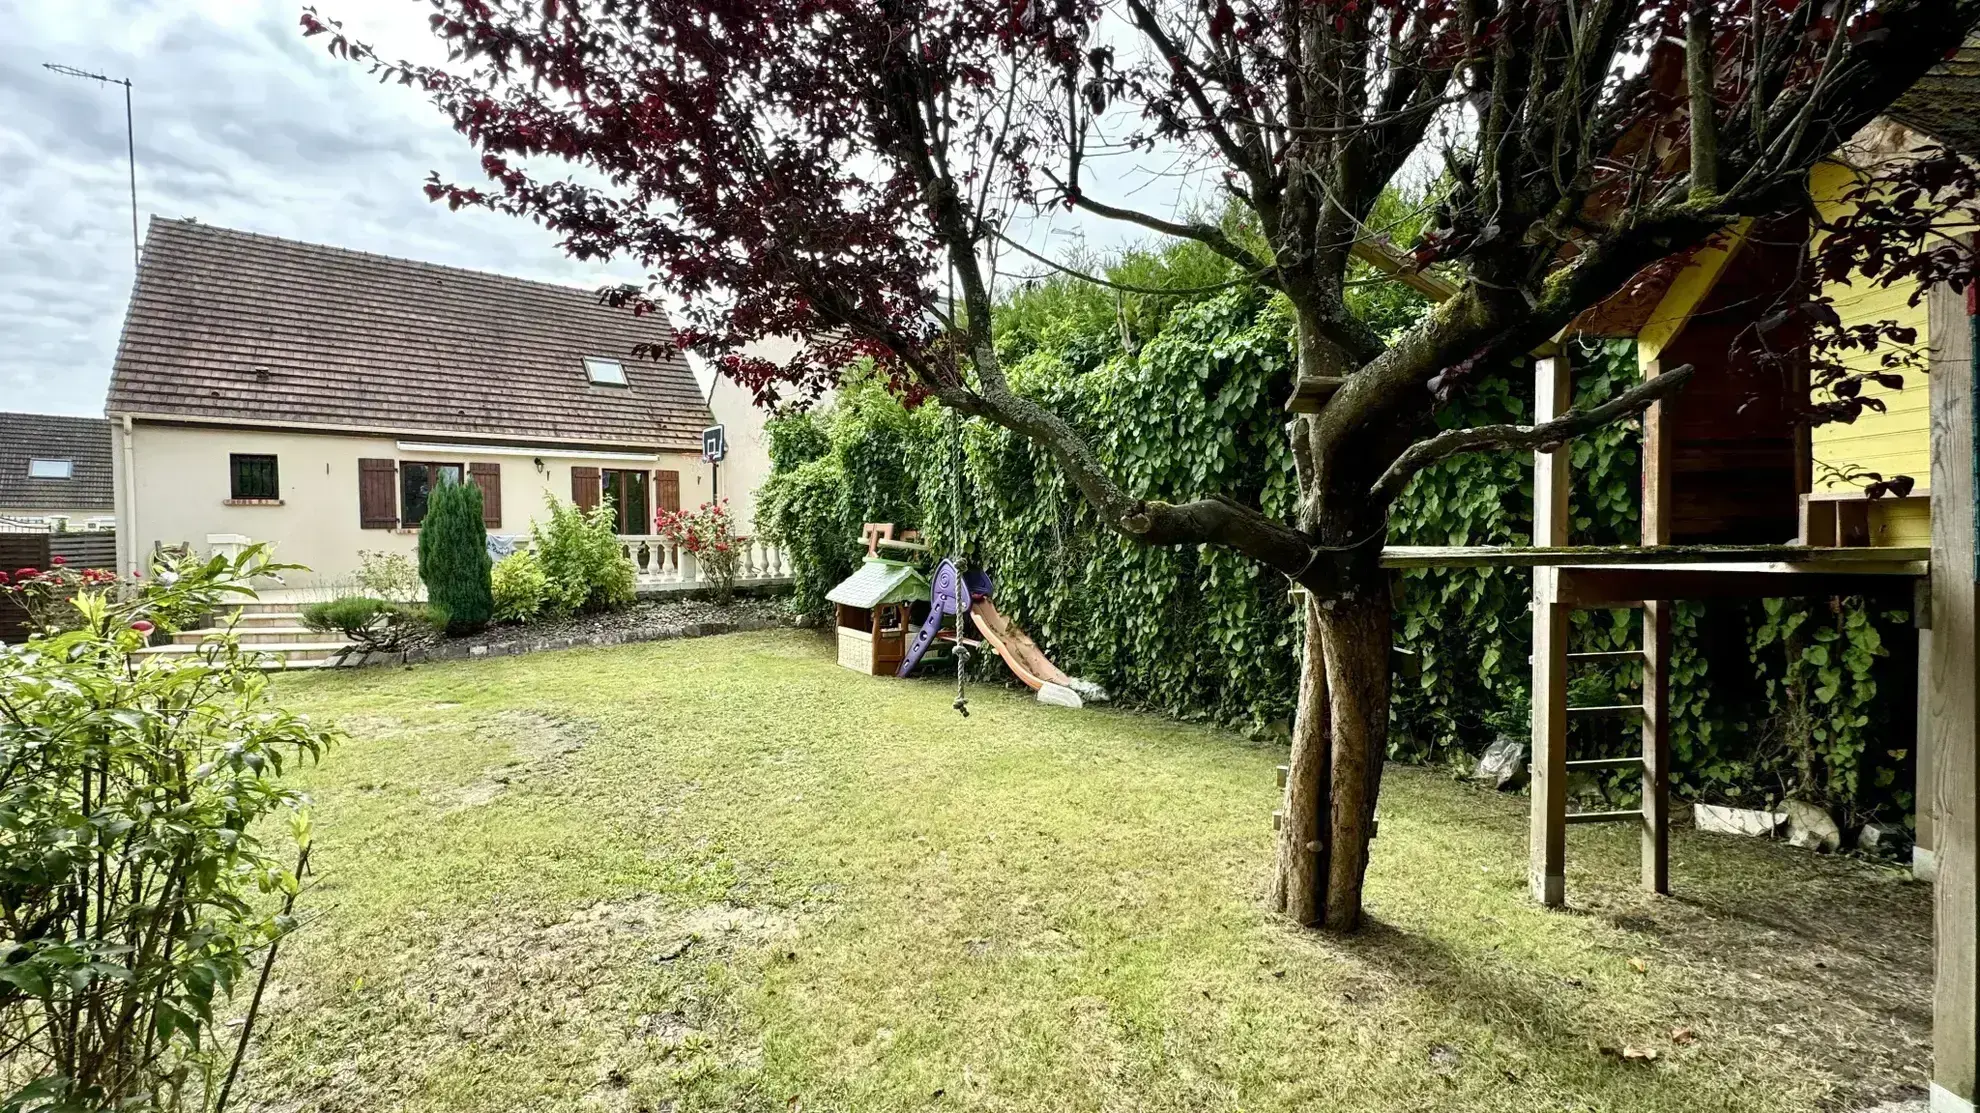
240, 122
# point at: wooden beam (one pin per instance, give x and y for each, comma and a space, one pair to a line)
1657, 440
1310, 393
1599, 588
1799, 557
1657, 513
1553, 393
1955, 772
1657, 746
1389, 261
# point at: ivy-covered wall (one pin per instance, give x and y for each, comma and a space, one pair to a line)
1808, 697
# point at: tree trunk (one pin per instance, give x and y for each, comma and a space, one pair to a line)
1299, 881
1355, 636
1340, 737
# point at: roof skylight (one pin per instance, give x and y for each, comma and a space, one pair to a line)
605, 372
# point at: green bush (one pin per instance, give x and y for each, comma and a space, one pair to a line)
453, 557
151, 856
521, 589
346, 614
377, 625
580, 556
387, 575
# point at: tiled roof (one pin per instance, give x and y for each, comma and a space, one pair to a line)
1945, 103
244, 327
879, 581
85, 441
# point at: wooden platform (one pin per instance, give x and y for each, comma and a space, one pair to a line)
1794, 559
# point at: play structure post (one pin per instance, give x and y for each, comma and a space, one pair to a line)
1954, 770
1547, 872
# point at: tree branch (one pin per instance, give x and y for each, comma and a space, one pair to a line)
1698, 69
1573, 423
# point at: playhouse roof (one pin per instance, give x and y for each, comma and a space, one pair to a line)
880, 581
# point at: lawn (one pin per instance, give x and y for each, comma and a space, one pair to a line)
725, 874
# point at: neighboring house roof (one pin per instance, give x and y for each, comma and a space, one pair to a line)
1945, 103
83, 441
879, 581
243, 327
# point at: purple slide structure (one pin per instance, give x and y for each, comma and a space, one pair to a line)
949, 593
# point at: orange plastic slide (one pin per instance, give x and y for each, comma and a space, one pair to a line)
1016, 648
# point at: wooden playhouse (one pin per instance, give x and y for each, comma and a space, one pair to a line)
874, 611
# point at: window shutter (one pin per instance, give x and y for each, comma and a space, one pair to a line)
584, 487
378, 502
667, 490
488, 477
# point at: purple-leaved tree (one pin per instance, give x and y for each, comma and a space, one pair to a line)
826, 169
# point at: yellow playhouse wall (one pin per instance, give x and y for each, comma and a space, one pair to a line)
1898, 441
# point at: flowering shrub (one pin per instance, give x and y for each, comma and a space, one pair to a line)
49, 596
708, 531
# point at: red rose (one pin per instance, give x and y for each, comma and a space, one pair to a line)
58, 560
142, 627
27, 573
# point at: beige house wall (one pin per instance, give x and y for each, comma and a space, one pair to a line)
747, 464
176, 477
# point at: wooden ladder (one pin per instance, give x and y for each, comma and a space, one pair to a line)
1547, 872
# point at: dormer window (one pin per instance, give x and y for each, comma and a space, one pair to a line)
604, 372
51, 469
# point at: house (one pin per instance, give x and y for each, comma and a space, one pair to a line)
55, 468
313, 397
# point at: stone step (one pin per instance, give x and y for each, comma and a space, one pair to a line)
290, 654
249, 619
255, 635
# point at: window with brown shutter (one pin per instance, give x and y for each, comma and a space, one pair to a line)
488, 477
584, 487
667, 485
378, 490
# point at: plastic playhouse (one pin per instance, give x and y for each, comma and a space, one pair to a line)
887, 602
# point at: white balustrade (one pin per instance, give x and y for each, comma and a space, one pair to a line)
658, 562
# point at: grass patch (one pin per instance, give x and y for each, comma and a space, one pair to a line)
725, 874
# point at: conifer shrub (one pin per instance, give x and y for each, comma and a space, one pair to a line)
453, 558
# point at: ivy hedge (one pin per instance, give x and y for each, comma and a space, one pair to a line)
1810, 698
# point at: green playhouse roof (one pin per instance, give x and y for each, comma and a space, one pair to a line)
880, 581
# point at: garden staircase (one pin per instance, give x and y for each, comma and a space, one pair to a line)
274, 630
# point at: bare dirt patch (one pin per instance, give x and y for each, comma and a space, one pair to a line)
537, 745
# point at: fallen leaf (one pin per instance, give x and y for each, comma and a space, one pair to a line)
1639, 1054
1641, 966
1683, 1036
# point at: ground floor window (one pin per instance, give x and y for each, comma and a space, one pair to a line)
627, 490
253, 476
417, 481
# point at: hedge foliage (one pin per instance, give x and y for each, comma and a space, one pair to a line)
1180, 397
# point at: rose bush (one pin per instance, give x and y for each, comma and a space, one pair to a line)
709, 532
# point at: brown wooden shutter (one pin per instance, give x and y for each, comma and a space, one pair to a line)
488, 477
667, 490
584, 487
378, 495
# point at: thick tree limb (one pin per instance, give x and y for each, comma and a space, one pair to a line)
1573, 423
1698, 77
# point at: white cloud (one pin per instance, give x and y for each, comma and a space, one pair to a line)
242, 122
